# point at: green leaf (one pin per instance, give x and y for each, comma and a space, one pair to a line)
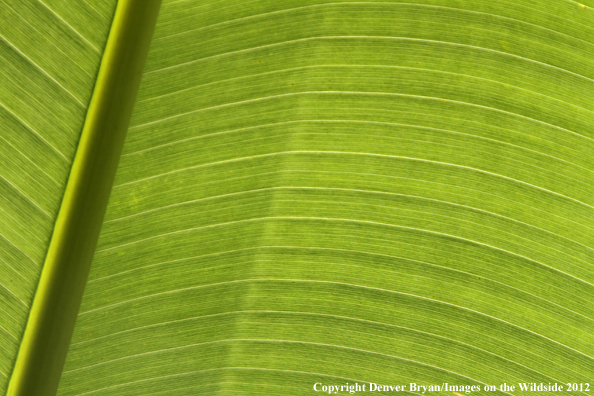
344, 192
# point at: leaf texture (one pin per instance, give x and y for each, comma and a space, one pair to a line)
371, 191
49, 56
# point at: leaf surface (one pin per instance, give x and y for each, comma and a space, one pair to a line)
359, 191
332, 192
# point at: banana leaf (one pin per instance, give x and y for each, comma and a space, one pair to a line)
313, 197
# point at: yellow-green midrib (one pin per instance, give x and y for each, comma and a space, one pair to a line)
48, 72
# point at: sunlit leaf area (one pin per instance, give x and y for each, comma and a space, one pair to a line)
314, 191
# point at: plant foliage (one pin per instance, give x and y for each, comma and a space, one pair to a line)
315, 191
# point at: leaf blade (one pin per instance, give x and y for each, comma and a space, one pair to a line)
354, 191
